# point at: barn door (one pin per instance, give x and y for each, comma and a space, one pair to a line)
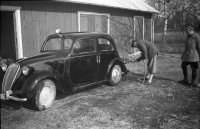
139, 27
143, 28
147, 29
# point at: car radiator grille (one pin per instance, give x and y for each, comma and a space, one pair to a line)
10, 77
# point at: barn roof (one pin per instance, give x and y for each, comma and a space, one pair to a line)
136, 5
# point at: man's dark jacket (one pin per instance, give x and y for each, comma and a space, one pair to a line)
147, 48
192, 49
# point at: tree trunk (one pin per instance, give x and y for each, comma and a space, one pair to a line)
165, 26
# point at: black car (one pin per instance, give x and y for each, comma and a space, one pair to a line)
67, 61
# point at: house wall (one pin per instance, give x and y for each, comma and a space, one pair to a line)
40, 19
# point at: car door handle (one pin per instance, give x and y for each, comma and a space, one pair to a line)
97, 58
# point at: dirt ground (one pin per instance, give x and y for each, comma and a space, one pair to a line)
164, 104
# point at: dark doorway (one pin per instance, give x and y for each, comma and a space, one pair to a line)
7, 48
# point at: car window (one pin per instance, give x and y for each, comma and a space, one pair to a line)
104, 45
85, 46
53, 44
67, 44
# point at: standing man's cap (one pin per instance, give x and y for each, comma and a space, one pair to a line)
133, 42
190, 27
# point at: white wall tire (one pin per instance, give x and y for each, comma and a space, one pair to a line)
115, 75
44, 96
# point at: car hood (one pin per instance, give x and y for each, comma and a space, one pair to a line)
42, 57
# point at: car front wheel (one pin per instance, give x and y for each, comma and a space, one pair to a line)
44, 95
115, 75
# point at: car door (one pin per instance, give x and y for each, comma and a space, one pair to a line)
83, 64
106, 55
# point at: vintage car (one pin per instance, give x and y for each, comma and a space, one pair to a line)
67, 62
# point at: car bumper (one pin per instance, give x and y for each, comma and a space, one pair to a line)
8, 96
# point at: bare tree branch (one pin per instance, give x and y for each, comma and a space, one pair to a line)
172, 9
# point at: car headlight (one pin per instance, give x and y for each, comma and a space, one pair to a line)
4, 67
27, 70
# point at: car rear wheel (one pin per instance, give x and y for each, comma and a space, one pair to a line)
44, 96
115, 75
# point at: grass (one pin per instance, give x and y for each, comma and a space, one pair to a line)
171, 37
163, 105
174, 42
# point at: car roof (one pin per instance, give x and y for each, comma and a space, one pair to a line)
83, 34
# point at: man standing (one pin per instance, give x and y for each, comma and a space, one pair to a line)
149, 52
191, 55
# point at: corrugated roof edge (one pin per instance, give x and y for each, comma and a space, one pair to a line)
156, 11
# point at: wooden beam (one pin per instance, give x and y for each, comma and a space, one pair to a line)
9, 8
19, 34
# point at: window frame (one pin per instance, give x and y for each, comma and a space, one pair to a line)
46, 42
82, 53
64, 43
142, 26
93, 13
111, 43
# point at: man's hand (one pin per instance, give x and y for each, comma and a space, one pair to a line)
138, 53
133, 60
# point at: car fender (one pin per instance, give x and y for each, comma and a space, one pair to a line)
112, 63
33, 80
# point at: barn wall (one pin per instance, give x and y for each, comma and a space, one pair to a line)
37, 24
40, 19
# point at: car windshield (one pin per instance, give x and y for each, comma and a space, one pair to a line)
58, 44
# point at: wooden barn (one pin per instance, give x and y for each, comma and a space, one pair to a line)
26, 24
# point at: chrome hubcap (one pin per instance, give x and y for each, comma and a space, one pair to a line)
116, 74
46, 95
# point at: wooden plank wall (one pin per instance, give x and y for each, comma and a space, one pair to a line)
40, 20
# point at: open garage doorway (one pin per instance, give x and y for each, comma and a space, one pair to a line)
11, 35
8, 45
